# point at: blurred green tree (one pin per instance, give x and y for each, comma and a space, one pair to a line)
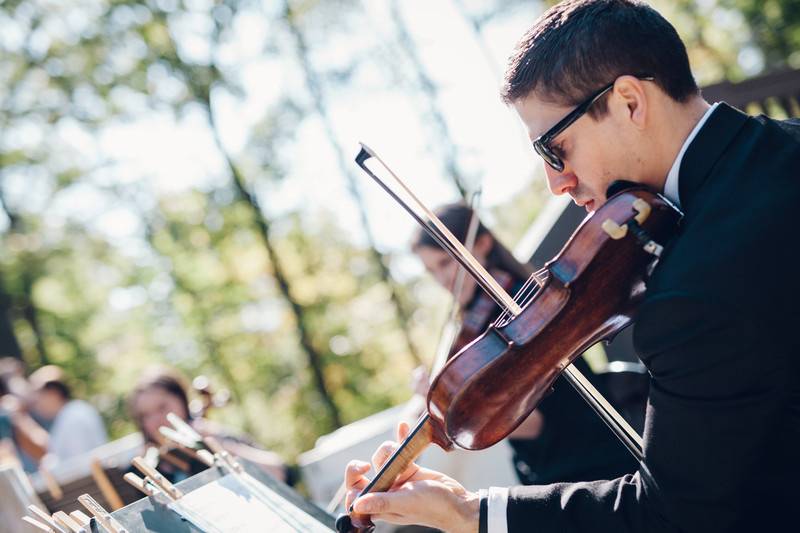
104, 273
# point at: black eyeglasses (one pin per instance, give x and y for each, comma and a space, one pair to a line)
542, 143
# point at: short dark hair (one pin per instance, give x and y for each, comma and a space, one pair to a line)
59, 387
457, 217
577, 46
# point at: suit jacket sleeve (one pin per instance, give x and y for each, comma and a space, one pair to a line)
713, 400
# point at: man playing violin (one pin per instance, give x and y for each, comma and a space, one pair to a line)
605, 90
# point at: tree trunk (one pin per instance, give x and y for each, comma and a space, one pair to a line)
263, 225
477, 31
317, 96
428, 87
31, 316
9, 346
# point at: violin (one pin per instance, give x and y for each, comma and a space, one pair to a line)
586, 294
464, 325
474, 319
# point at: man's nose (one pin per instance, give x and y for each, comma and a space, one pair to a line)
560, 182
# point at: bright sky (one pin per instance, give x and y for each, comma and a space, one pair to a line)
375, 108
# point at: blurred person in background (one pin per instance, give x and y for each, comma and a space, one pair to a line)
563, 439
29, 439
163, 391
6, 427
75, 426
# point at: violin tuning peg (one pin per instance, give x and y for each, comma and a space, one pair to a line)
614, 230
643, 210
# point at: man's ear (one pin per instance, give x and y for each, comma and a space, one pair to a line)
632, 98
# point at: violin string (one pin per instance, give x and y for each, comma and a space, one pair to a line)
527, 291
504, 314
520, 295
540, 277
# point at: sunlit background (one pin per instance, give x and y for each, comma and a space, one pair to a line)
177, 185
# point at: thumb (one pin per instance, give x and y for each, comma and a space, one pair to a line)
372, 503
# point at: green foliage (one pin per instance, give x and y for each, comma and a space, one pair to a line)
775, 28
735, 39
191, 283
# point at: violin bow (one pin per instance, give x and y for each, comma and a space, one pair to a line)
403, 195
450, 330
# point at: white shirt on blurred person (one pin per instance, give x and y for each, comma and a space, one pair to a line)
77, 428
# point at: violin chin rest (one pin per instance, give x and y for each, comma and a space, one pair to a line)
619, 186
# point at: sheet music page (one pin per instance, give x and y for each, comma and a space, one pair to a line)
242, 504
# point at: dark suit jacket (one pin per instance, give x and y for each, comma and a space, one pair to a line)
717, 333
575, 444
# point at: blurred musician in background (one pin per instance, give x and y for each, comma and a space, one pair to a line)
28, 438
160, 392
75, 426
46, 423
562, 440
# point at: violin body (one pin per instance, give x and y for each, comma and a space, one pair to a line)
594, 286
481, 311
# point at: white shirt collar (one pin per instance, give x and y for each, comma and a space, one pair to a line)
671, 185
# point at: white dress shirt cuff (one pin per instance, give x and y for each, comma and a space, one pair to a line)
496, 512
